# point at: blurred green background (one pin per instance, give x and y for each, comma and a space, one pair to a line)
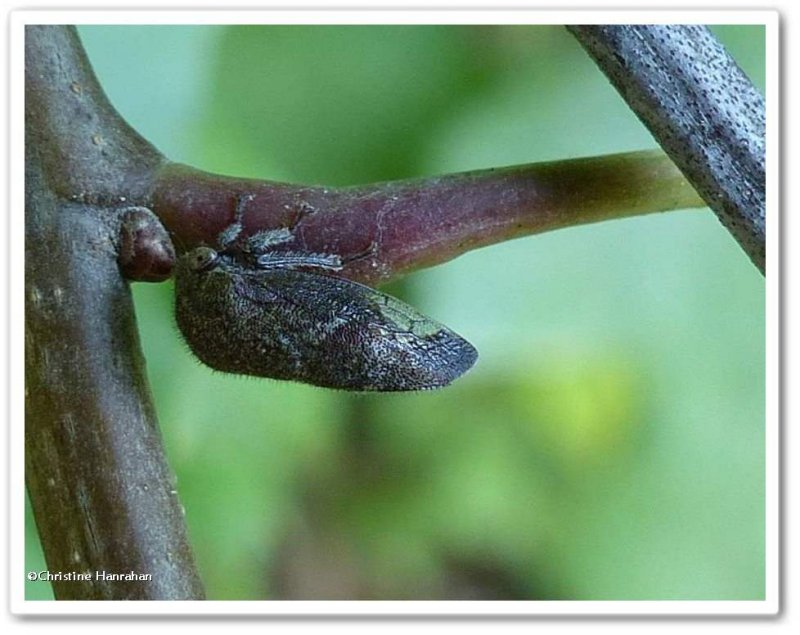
609, 444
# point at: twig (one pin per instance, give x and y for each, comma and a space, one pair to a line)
702, 109
419, 223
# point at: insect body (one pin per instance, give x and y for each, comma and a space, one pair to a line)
258, 311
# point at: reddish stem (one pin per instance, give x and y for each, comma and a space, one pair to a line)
419, 223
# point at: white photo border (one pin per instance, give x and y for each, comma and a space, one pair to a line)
19, 605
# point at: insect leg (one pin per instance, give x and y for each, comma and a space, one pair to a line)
367, 253
260, 242
303, 209
295, 259
228, 236
257, 243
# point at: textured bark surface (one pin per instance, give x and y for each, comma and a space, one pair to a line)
103, 495
702, 109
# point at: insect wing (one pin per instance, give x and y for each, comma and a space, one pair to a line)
337, 333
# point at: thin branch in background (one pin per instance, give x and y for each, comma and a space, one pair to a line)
701, 108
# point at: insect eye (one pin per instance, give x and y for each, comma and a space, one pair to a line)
203, 259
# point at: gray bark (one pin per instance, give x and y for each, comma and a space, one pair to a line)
102, 493
701, 108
